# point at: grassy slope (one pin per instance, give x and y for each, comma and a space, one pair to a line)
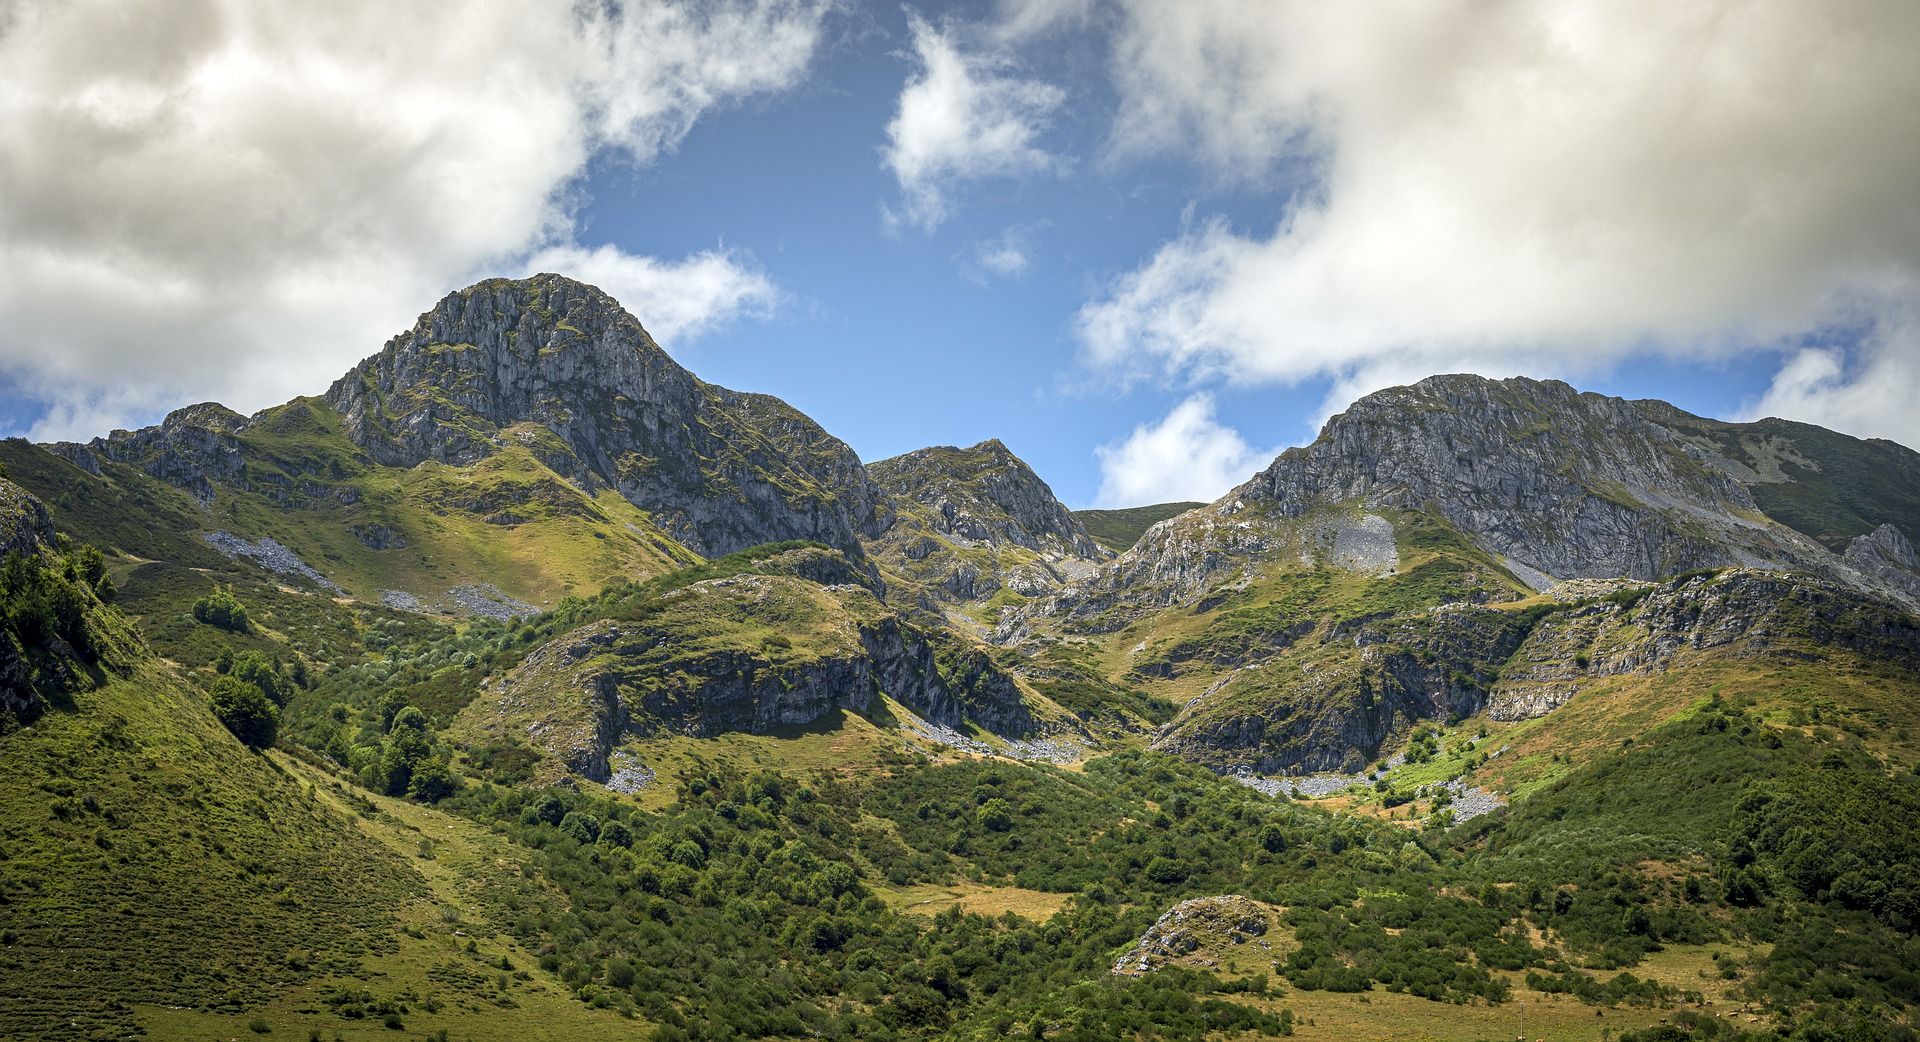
1826, 485
508, 520
151, 858
158, 875
471, 878
1117, 530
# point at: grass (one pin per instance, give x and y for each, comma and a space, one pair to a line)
146, 857
929, 899
1118, 530
508, 520
841, 743
471, 876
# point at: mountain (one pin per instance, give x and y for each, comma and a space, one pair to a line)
977, 524
523, 685
560, 367
1360, 585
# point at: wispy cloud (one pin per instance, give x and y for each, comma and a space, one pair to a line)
962, 115
674, 300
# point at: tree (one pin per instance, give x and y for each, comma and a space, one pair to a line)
254, 668
995, 815
433, 780
404, 748
1166, 870
223, 610
549, 810
584, 828
245, 711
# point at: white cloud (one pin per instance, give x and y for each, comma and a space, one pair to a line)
673, 300
1188, 455
963, 115
1870, 391
1547, 188
236, 199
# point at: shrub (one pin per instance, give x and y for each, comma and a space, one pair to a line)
616, 834
245, 711
583, 827
223, 610
432, 781
995, 815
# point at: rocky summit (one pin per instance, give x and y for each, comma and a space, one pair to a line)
525, 685
563, 368
969, 523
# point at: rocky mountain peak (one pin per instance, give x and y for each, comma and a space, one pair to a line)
1559, 482
545, 349
1550, 482
986, 494
718, 469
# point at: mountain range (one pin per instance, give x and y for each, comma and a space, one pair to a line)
1397, 720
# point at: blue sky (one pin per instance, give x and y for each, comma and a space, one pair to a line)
1145, 245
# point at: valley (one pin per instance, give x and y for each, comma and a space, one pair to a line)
525, 685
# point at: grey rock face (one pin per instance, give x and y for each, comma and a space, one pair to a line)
1571, 484
24, 524
193, 448
721, 470
966, 523
1886, 557
1202, 922
1746, 612
1359, 685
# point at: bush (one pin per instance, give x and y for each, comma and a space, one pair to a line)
253, 668
995, 815
582, 827
245, 711
223, 610
432, 781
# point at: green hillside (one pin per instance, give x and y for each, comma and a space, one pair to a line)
1119, 529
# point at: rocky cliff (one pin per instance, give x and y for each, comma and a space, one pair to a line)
753, 653
719, 470
1549, 482
1334, 699
967, 523
24, 523
1745, 613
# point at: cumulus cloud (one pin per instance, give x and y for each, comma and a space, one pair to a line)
1548, 188
673, 299
236, 199
963, 115
1869, 390
1188, 455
